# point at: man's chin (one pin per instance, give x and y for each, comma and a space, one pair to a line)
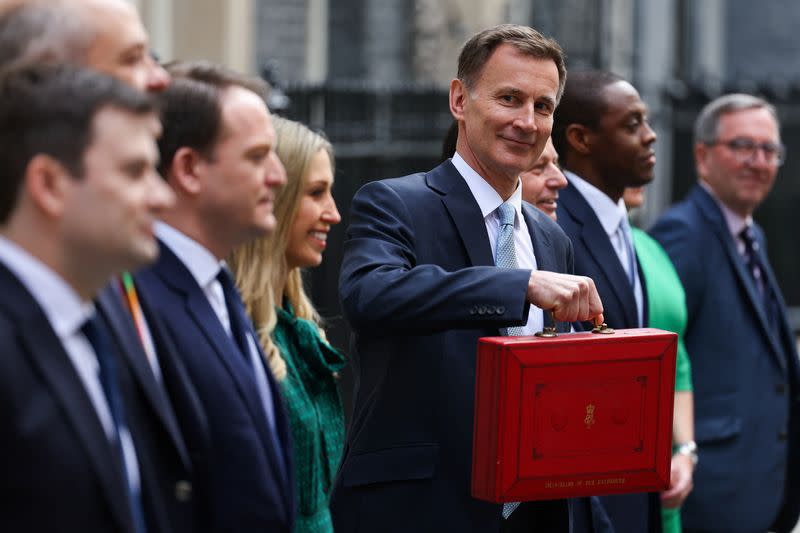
144, 255
269, 225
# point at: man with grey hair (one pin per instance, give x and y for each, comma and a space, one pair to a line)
105, 35
744, 358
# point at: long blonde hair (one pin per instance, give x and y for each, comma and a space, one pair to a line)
260, 267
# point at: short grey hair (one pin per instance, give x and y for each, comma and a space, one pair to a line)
706, 127
42, 32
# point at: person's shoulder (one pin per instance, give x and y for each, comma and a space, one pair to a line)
538, 217
679, 217
408, 184
647, 245
544, 222
414, 191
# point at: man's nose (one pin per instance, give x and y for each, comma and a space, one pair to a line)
276, 173
526, 118
157, 77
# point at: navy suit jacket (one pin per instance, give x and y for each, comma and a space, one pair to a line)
249, 483
172, 412
419, 287
745, 376
59, 470
595, 257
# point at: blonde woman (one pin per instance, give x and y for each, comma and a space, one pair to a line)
268, 272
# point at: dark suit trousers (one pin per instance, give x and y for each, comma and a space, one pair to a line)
538, 517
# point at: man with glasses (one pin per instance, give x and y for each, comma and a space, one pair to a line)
744, 358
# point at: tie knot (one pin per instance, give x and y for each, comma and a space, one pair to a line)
225, 279
748, 237
506, 214
91, 329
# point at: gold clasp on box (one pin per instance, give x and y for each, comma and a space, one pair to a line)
548, 332
602, 328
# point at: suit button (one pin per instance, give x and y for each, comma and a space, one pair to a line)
482, 310
183, 491
473, 310
490, 310
501, 310
780, 388
782, 435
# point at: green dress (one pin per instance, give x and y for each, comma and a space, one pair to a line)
666, 310
315, 415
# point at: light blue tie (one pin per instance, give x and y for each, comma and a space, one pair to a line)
632, 270
505, 256
627, 242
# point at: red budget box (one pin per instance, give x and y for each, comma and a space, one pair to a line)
577, 415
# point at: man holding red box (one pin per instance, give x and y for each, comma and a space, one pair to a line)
433, 262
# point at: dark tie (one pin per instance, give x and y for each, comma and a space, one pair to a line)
233, 302
757, 270
240, 327
95, 331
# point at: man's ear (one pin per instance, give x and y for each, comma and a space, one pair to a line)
579, 138
47, 183
186, 171
458, 96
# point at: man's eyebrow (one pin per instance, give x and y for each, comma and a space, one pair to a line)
549, 101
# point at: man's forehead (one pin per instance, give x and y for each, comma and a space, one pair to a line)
242, 105
113, 19
737, 116
109, 117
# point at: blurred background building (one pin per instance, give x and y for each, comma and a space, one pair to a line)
373, 74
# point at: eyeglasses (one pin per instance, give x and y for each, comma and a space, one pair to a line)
744, 150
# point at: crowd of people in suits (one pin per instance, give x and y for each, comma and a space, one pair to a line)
165, 370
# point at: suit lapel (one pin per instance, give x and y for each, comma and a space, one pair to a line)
110, 303
711, 211
594, 240
785, 331
48, 354
196, 305
464, 210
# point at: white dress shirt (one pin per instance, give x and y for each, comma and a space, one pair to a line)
612, 216
66, 313
204, 268
488, 201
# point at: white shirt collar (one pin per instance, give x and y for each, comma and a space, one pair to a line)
736, 223
487, 198
609, 213
200, 262
62, 306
